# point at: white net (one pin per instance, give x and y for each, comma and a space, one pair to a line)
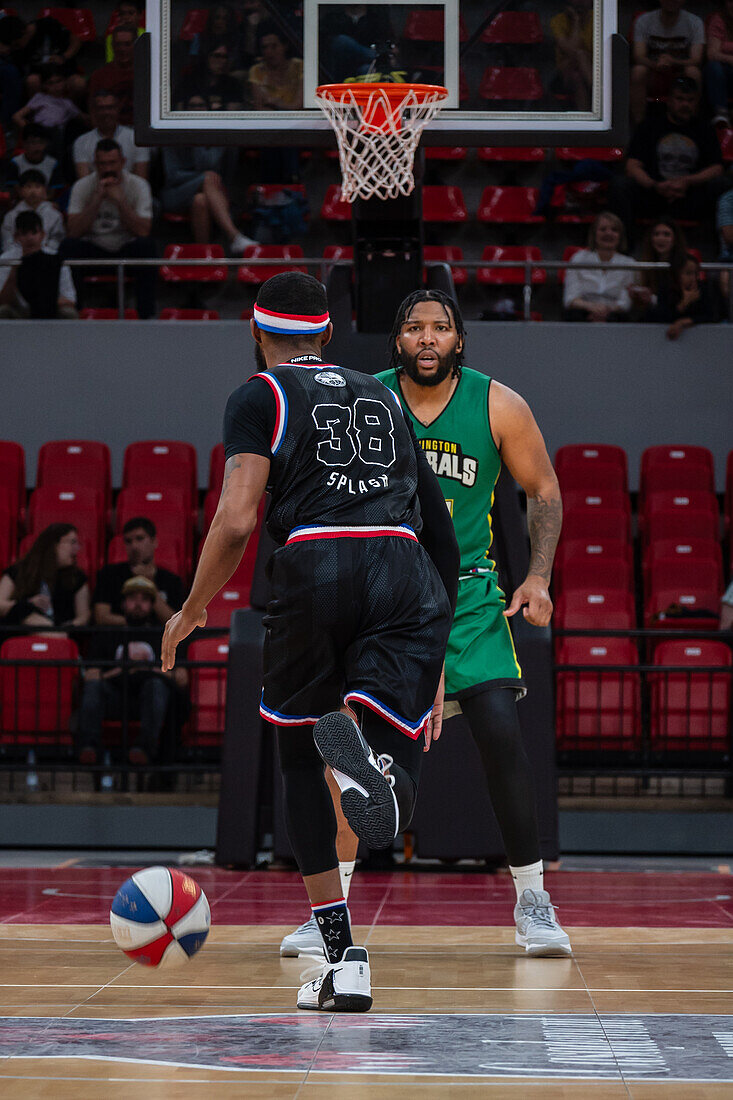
378, 129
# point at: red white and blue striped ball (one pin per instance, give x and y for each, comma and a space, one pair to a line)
160, 917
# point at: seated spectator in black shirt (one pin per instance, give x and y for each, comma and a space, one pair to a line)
674, 164
664, 243
140, 543
213, 82
686, 303
46, 587
150, 691
41, 285
35, 155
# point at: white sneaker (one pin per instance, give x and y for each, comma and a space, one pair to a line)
340, 987
538, 931
367, 789
238, 244
306, 940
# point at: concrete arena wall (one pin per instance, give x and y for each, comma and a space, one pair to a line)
624, 384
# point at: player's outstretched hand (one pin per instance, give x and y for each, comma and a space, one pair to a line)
178, 627
435, 721
534, 597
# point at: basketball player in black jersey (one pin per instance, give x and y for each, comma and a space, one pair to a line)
364, 585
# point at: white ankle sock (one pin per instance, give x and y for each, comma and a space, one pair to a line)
527, 878
346, 870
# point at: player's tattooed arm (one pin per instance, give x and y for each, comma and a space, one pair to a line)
232, 464
544, 520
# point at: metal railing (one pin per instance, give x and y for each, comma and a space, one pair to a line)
318, 262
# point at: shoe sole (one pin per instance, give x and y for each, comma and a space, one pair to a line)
342, 1002
372, 818
543, 950
296, 952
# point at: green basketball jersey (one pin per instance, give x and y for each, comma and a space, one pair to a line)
461, 450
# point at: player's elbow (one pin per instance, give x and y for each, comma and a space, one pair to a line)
235, 527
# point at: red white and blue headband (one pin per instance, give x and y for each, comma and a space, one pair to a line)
290, 324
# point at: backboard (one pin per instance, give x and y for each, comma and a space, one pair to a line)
246, 72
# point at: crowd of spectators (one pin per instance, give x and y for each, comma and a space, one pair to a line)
72, 158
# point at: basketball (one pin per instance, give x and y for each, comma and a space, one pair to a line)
160, 917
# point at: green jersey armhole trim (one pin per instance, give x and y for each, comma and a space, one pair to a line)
488, 421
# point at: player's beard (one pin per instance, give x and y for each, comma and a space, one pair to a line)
260, 360
446, 363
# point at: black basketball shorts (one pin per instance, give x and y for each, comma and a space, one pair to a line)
355, 619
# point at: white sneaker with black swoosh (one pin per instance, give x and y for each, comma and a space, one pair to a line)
343, 986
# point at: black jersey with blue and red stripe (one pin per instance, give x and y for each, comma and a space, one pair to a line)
342, 455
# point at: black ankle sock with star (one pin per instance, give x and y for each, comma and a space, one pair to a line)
334, 924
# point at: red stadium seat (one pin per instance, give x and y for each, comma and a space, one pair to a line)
230, 598
253, 276
334, 208
595, 573
158, 463
8, 528
82, 507
501, 83
510, 276
208, 692
514, 28
169, 553
78, 21
443, 204
674, 523
107, 314
591, 609
598, 709
676, 467
588, 152
577, 203
684, 501
690, 711
519, 154
446, 152
449, 254
574, 553
166, 507
216, 273
725, 137
509, 206
217, 463
76, 463
194, 23
593, 523
189, 315
36, 700
428, 25
693, 591
591, 466
687, 552
12, 474
604, 499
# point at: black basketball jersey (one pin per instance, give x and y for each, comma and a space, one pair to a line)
341, 452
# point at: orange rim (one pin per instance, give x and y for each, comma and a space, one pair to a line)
394, 92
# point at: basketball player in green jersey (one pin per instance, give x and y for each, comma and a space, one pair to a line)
469, 425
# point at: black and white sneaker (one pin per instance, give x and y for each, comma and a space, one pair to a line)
342, 986
367, 789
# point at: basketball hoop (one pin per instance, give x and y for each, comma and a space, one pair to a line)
378, 127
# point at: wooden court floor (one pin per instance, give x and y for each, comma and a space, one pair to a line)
642, 1009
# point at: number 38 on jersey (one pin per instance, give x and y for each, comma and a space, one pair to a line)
364, 430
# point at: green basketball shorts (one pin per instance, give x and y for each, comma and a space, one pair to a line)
480, 651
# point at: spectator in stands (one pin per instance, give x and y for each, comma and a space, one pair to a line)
150, 691
664, 243
213, 81
41, 286
674, 164
52, 108
276, 81
11, 77
686, 303
724, 221
46, 587
596, 293
668, 42
349, 35
222, 25
41, 42
194, 185
139, 536
726, 608
105, 114
572, 31
35, 155
127, 13
719, 69
118, 75
110, 214
34, 196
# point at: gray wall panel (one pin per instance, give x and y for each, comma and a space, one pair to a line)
624, 384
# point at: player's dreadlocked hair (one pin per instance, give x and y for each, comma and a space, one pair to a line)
406, 309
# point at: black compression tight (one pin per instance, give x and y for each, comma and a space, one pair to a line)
494, 723
309, 813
